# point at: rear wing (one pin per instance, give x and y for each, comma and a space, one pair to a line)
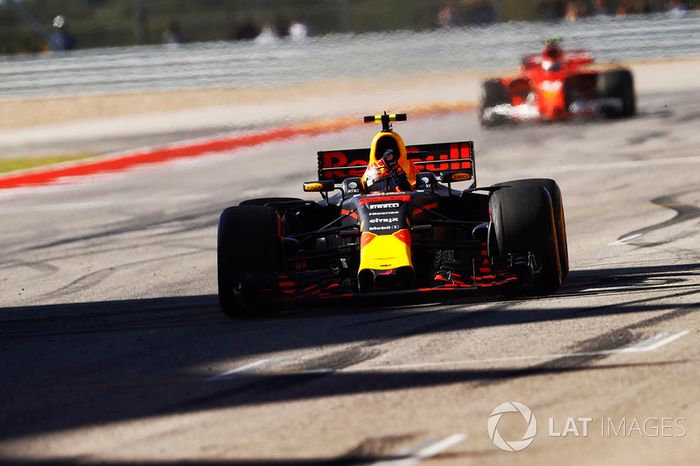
578, 57
338, 165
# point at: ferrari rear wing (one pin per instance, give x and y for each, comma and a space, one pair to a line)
579, 57
338, 165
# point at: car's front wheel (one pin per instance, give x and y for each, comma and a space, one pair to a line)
559, 219
524, 226
249, 242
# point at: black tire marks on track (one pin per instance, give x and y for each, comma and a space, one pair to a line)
684, 213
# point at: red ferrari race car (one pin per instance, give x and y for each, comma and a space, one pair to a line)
558, 85
390, 220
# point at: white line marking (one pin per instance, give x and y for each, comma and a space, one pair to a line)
650, 344
238, 370
627, 239
423, 451
646, 343
438, 446
320, 370
655, 342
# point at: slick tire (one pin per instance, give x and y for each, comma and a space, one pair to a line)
494, 93
523, 222
569, 91
559, 220
249, 242
618, 84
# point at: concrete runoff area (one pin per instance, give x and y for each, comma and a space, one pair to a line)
113, 349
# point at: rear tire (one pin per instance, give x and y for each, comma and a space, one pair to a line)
559, 220
494, 93
618, 84
249, 241
523, 222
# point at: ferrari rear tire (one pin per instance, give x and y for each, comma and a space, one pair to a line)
618, 84
249, 242
523, 222
559, 220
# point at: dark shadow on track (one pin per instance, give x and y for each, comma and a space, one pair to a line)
87, 364
279, 462
341, 384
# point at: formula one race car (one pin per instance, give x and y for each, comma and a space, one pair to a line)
395, 224
556, 85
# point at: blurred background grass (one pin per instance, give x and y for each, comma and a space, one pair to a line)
23, 163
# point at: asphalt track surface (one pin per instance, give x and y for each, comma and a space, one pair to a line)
113, 350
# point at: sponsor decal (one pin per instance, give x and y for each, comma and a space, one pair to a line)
453, 156
313, 187
383, 213
353, 163
443, 255
384, 220
461, 176
390, 205
341, 164
551, 86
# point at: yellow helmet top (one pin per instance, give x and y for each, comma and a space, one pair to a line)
387, 139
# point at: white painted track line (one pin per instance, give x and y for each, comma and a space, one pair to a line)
650, 344
627, 239
423, 451
238, 370
655, 342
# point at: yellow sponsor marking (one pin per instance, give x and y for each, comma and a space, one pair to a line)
313, 187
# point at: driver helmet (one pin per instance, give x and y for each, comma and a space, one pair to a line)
552, 54
552, 49
385, 175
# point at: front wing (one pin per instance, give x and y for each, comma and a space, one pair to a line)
529, 111
317, 285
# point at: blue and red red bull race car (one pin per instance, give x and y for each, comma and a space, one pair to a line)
391, 219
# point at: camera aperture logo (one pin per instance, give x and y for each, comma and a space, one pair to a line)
579, 427
530, 420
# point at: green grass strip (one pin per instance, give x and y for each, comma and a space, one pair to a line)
22, 163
